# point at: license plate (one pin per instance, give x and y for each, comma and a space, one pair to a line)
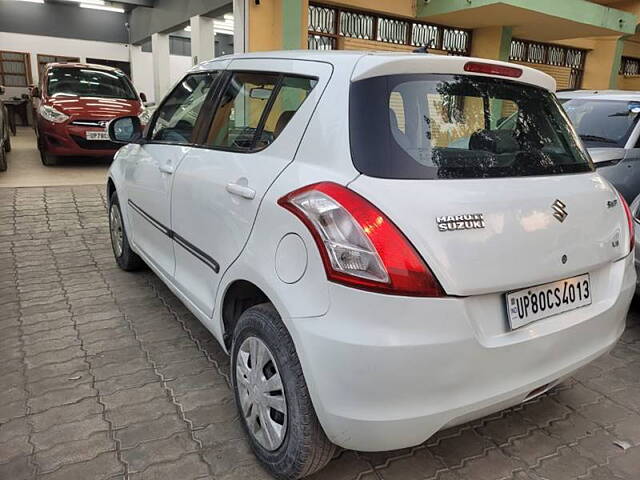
535, 303
100, 135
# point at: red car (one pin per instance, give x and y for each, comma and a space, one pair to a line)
74, 104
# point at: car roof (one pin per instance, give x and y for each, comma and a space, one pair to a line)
621, 95
92, 66
365, 64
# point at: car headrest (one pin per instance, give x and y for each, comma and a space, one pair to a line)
283, 119
494, 141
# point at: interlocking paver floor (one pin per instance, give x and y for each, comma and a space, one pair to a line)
106, 375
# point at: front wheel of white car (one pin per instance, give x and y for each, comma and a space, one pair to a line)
273, 399
125, 257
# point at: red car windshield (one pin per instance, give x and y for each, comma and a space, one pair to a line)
85, 82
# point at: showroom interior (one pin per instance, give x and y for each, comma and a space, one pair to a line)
111, 375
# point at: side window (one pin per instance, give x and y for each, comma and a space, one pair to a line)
176, 117
255, 108
293, 91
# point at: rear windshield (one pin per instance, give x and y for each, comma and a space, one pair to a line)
85, 82
602, 123
457, 126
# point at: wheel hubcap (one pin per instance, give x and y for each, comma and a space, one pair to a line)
262, 399
117, 233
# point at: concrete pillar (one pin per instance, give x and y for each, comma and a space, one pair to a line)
161, 66
240, 25
202, 39
602, 65
492, 42
270, 25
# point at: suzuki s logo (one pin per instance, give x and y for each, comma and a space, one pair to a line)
559, 210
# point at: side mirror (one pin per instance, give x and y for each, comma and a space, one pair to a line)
125, 130
143, 97
35, 92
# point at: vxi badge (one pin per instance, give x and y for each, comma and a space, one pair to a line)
471, 221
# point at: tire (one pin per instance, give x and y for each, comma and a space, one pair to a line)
126, 258
7, 144
303, 448
47, 159
3, 159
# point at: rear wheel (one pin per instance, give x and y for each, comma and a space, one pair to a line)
272, 397
125, 257
7, 143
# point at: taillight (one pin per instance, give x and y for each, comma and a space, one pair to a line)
360, 247
632, 233
492, 69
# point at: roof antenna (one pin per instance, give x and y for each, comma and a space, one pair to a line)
422, 49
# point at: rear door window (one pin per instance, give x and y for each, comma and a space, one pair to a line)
254, 109
443, 126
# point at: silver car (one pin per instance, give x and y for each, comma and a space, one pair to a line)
607, 122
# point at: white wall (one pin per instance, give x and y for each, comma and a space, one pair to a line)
142, 70
43, 45
141, 62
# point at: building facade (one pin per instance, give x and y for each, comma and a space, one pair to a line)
582, 44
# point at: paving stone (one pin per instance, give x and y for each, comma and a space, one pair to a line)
63, 414
132, 396
189, 467
68, 432
15, 447
161, 428
18, 468
69, 367
228, 456
203, 416
18, 427
191, 400
69, 452
62, 396
455, 449
102, 467
533, 446
627, 465
141, 412
121, 382
567, 464
156, 451
12, 410
68, 380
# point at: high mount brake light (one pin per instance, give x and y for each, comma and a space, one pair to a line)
360, 247
632, 233
492, 69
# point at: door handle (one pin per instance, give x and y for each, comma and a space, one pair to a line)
167, 168
241, 191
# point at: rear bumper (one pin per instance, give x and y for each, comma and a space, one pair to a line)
388, 372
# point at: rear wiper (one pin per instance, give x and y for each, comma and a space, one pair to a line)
595, 138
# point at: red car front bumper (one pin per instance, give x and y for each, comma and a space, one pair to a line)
66, 139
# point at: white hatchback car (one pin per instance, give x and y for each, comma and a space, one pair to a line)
374, 278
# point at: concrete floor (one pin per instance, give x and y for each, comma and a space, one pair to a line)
26, 170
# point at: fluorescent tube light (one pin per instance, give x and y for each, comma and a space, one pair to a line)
102, 7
